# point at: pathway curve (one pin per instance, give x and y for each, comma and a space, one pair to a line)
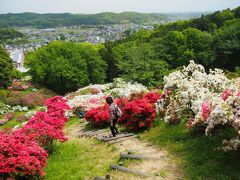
162, 168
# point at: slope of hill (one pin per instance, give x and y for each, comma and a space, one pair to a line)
67, 19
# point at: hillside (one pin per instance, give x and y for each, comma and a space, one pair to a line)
67, 19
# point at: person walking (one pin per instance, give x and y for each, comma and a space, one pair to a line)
112, 115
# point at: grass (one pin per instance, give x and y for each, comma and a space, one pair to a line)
72, 121
13, 122
80, 159
198, 154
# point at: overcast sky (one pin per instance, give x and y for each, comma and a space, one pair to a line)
96, 6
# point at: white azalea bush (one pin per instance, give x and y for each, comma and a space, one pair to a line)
4, 109
94, 96
207, 99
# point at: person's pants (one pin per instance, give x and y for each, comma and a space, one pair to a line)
113, 128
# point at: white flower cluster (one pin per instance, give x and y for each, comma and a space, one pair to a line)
118, 88
31, 113
26, 78
4, 109
210, 99
86, 102
19, 108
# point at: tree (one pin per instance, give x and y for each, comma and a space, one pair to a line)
95, 65
227, 45
65, 66
137, 62
199, 44
6, 68
172, 48
107, 55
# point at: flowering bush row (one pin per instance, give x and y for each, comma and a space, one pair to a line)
138, 112
22, 151
94, 95
209, 100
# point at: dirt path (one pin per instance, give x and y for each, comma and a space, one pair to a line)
164, 168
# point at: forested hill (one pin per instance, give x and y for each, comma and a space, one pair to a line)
67, 19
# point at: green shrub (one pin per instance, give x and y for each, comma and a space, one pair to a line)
3, 95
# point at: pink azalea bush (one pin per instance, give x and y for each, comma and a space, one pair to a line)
22, 152
205, 110
9, 116
20, 156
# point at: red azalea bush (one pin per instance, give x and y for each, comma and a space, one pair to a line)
20, 156
138, 111
45, 127
152, 97
121, 101
98, 116
56, 104
138, 114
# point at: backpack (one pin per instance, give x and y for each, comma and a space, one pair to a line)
118, 112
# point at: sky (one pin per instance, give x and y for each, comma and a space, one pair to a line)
96, 6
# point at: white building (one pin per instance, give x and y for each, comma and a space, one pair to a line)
17, 55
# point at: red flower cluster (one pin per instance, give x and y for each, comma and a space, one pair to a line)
138, 114
152, 97
19, 152
20, 156
138, 111
98, 116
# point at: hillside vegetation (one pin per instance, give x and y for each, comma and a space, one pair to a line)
9, 34
145, 56
67, 19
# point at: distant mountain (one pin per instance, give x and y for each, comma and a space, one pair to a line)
67, 19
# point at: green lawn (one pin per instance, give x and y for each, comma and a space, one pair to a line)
197, 154
80, 159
